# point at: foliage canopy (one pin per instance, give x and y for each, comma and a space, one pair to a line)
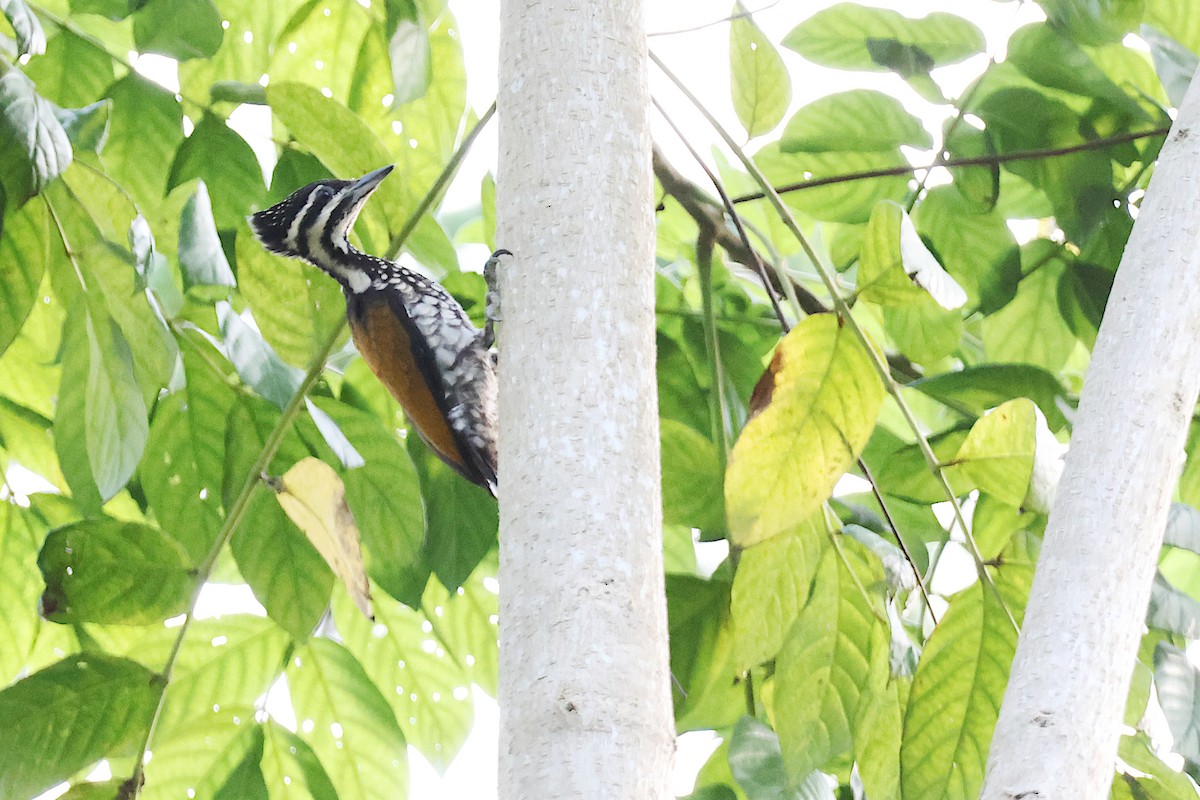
155, 363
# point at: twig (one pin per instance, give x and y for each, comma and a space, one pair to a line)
973, 161
757, 263
708, 213
720, 21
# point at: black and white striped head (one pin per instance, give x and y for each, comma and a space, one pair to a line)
314, 223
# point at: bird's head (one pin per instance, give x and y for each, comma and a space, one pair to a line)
314, 222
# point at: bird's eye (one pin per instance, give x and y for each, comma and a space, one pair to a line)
323, 193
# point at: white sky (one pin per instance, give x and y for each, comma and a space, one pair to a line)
701, 59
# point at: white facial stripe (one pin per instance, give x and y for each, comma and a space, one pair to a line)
294, 230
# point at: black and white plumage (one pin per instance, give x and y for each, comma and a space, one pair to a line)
413, 334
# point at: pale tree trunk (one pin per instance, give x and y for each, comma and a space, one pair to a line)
585, 708
1059, 726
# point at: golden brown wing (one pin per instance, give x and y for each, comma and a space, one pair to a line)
383, 339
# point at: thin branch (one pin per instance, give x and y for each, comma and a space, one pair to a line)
238, 508
973, 161
435, 191
757, 263
721, 420
887, 515
844, 312
721, 21
707, 213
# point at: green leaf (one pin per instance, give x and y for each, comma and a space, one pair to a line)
1173, 61
112, 9
384, 493
255, 360
422, 679
1030, 329
958, 688
151, 345
20, 588
87, 127
30, 38
1158, 781
850, 36
198, 757
895, 267
692, 480
226, 164
101, 428
179, 29
838, 202
1094, 22
411, 57
34, 149
761, 86
24, 253
354, 732
228, 662
998, 452
103, 570
860, 120
240, 57
73, 72
1083, 292
923, 331
1183, 528
1177, 682
299, 328
979, 184
703, 655
977, 249
772, 584
201, 259
903, 472
94, 790
291, 768
461, 519
823, 667
756, 761
1048, 57
823, 405
1080, 185
145, 131
468, 623
286, 573
68, 716
343, 51
186, 503
246, 782
876, 731
976, 389
1172, 610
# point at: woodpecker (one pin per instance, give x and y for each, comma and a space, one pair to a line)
412, 333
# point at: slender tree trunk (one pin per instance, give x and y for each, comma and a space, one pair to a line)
584, 685
1059, 726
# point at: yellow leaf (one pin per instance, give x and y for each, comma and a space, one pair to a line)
815, 409
314, 497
